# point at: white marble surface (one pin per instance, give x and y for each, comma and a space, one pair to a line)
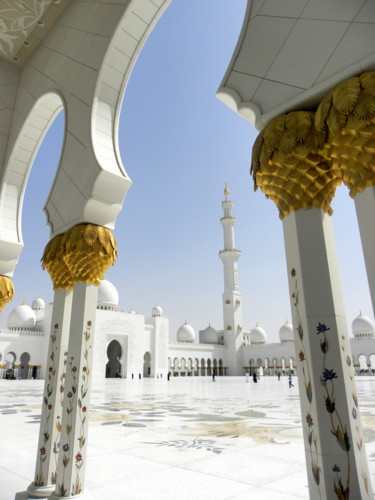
187, 438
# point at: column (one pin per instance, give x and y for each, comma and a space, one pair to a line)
88, 252
53, 395
74, 428
292, 165
334, 444
365, 208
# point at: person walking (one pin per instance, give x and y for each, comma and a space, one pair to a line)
290, 380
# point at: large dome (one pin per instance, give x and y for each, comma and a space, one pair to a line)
258, 335
363, 327
107, 296
186, 333
208, 336
286, 332
22, 316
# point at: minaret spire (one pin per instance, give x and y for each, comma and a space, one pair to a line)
232, 299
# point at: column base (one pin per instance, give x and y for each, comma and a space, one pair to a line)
82, 496
34, 491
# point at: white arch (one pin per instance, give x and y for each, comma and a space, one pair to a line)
19, 161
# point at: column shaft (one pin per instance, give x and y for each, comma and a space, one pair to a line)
49, 433
365, 207
334, 445
74, 424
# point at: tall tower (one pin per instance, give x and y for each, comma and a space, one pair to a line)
232, 299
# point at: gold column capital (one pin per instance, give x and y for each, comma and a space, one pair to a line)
290, 166
53, 262
6, 291
82, 254
89, 250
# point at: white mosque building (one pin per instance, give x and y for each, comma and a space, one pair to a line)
128, 344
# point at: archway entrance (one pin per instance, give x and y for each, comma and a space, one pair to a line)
113, 367
25, 360
147, 365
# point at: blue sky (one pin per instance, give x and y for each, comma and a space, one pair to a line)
179, 144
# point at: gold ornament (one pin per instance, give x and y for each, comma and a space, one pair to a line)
290, 166
300, 157
53, 261
6, 291
346, 116
89, 250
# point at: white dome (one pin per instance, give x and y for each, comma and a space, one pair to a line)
107, 295
258, 335
22, 316
286, 332
157, 311
38, 303
208, 336
186, 333
363, 326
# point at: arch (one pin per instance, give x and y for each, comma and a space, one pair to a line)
220, 367
209, 370
113, 366
197, 366
175, 367
362, 360
372, 363
147, 364
215, 370
190, 367
183, 367
203, 367
252, 365
10, 359
25, 361
20, 159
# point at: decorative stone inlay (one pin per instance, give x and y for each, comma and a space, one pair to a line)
23, 24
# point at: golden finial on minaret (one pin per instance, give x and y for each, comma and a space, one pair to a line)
226, 190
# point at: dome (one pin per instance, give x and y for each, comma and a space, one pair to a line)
286, 332
22, 316
107, 295
363, 326
38, 304
157, 311
185, 333
208, 336
258, 335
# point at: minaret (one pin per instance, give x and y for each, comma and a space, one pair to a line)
232, 299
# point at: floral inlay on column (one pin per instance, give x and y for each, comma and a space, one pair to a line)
310, 432
76, 396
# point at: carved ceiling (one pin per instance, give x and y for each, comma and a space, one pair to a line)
24, 24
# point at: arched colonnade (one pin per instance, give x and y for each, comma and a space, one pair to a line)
196, 367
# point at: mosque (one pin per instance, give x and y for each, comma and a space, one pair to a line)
128, 344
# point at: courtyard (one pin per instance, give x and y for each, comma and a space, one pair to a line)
186, 438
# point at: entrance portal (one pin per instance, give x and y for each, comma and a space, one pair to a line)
113, 367
147, 365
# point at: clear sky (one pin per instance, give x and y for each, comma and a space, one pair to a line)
179, 144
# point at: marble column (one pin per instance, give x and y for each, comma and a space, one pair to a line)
365, 208
50, 426
74, 428
334, 444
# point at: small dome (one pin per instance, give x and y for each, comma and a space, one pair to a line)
208, 336
258, 335
22, 316
363, 326
107, 295
286, 332
38, 304
157, 311
186, 333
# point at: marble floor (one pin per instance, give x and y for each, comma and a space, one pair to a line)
187, 438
